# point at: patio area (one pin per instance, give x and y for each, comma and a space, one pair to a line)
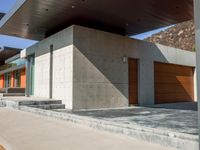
179, 117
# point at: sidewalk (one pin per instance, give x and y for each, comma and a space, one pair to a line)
26, 131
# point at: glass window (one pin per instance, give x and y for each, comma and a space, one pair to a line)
8, 80
17, 78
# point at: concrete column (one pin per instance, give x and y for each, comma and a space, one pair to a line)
197, 25
51, 73
146, 82
27, 77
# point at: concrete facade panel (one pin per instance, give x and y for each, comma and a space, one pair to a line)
62, 75
92, 71
42, 68
98, 58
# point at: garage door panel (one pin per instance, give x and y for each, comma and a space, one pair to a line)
174, 85
161, 77
164, 68
184, 71
185, 79
165, 98
184, 96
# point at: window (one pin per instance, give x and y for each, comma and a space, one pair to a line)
7, 80
17, 78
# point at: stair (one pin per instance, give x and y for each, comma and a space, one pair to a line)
40, 102
13, 94
43, 104
2, 90
49, 106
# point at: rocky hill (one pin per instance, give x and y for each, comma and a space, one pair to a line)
179, 36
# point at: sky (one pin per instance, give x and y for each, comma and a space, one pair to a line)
149, 33
6, 5
14, 42
8, 41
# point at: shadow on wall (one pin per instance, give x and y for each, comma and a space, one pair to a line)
102, 73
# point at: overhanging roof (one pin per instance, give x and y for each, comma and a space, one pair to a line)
7, 53
1, 15
36, 19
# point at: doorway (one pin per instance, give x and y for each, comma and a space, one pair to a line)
133, 81
31, 74
8, 77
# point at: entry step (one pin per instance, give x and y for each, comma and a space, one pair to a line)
13, 94
40, 102
49, 106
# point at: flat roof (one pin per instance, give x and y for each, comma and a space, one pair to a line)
37, 19
1, 15
8, 52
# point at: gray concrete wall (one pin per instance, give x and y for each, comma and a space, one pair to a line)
197, 35
88, 71
101, 77
62, 66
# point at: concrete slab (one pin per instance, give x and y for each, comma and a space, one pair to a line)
155, 125
24, 98
179, 117
26, 131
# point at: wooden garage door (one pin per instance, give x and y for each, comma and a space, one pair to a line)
173, 83
133, 81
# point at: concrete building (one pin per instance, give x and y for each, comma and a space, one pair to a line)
12, 70
91, 69
85, 58
94, 64
88, 68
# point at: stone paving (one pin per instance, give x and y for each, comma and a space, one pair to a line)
180, 117
171, 125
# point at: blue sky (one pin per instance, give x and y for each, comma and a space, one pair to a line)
6, 5
15, 42
148, 34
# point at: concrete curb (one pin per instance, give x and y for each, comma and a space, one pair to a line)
169, 139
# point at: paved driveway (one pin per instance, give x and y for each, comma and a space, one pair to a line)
180, 117
26, 131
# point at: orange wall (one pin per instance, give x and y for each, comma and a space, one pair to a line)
1, 81
23, 78
12, 79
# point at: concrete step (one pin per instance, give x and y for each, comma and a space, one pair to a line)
13, 94
16, 90
39, 102
63, 110
2, 90
50, 106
